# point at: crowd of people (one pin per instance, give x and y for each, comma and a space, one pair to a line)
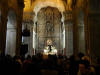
40, 64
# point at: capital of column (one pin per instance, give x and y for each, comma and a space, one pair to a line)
68, 17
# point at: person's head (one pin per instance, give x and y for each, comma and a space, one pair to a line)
28, 57
80, 55
83, 66
87, 58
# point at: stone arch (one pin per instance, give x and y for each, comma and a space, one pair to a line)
11, 33
50, 16
38, 4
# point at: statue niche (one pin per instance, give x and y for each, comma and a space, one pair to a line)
49, 18
49, 27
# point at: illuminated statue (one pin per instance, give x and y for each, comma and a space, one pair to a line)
49, 49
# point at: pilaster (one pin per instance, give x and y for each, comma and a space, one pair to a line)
19, 25
68, 33
19, 32
3, 29
75, 31
87, 31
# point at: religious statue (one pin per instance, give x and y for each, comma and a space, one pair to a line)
50, 49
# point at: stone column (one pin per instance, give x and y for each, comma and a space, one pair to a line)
19, 25
19, 31
75, 31
68, 33
67, 41
94, 29
0, 23
87, 32
94, 35
0, 19
3, 29
86, 28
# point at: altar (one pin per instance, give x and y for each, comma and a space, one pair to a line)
50, 50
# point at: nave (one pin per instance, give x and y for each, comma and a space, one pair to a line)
50, 37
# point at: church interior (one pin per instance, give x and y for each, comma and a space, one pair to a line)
50, 37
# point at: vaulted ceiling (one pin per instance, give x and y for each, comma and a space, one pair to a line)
36, 5
62, 5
